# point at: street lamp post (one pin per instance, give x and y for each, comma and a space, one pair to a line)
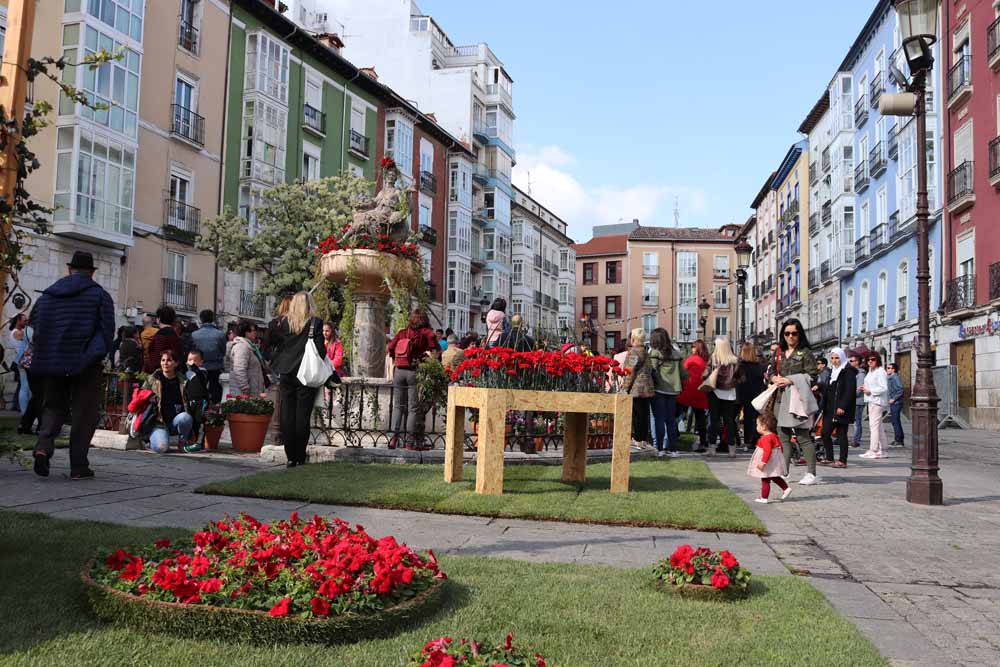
703, 308
918, 23
743, 251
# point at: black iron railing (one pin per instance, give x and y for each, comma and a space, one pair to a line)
428, 182
861, 177
994, 281
878, 238
252, 304
180, 295
994, 151
894, 142
186, 123
877, 88
359, 143
824, 270
959, 76
960, 182
314, 119
861, 248
183, 217
861, 111
876, 160
993, 39
187, 36
960, 293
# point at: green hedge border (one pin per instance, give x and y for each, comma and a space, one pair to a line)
252, 626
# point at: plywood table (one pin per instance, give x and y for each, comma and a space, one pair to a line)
493, 405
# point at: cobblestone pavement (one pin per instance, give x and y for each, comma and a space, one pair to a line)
935, 568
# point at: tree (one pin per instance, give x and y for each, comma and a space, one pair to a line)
286, 227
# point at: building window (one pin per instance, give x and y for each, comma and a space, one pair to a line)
518, 273
425, 217
882, 287
650, 294
267, 67
687, 265
517, 232
115, 83
310, 162
686, 325
865, 305
121, 15
611, 342
648, 323
721, 326
264, 132
902, 290
650, 264
720, 267
590, 307
590, 273
101, 191
399, 144
563, 293
563, 259
722, 296
613, 272
612, 306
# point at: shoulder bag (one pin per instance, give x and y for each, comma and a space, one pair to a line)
314, 369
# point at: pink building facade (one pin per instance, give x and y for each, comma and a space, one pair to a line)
764, 292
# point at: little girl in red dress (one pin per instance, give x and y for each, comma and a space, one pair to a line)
763, 465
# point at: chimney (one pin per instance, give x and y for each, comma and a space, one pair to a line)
331, 40
370, 71
432, 116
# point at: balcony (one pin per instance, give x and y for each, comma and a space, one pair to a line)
428, 183
479, 132
813, 173
864, 322
814, 282
432, 293
187, 124
861, 177
252, 304
901, 309
183, 221
480, 173
961, 194
994, 152
482, 215
813, 224
501, 93
960, 81
861, 112
893, 142
720, 274
824, 160
877, 240
877, 88
827, 213
842, 261
993, 44
538, 265
427, 235
876, 160
880, 319
314, 120
359, 145
650, 271
180, 295
861, 249
187, 37
994, 281
960, 293
824, 270
824, 332
770, 237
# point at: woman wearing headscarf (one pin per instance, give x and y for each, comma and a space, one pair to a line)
795, 365
838, 405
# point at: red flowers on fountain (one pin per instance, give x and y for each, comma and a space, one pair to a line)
315, 568
688, 566
387, 162
448, 652
503, 368
381, 243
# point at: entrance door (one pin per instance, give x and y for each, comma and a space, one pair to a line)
903, 364
964, 356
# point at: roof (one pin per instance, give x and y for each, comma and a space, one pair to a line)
678, 234
747, 226
813, 117
603, 245
763, 191
791, 157
881, 7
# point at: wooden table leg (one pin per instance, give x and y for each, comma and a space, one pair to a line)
575, 448
489, 460
620, 453
454, 441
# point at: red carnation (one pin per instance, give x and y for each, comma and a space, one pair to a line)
719, 579
281, 609
729, 560
133, 570
320, 607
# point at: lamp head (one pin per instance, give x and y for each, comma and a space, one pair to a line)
918, 24
743, 251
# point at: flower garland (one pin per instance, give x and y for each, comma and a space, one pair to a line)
447, 652
503, 368
703, 567
307, 569
379, 242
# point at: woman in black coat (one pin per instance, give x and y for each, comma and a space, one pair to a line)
749, 385
839, 396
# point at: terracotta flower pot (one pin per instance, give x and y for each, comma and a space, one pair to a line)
248, 431
539, 444
212, 435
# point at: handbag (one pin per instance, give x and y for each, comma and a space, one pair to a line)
708, 384
314, 369
765, 400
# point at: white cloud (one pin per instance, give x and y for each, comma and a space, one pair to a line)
552, 184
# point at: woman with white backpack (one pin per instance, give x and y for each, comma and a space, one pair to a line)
297, 387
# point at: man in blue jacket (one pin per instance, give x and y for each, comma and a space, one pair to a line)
74, 324
211, 341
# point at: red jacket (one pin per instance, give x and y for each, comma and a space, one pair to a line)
422, 341
335, 353
768, 443
690, 395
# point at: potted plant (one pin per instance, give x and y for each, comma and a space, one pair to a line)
456, 651
215, 423
539, 428
702, 573
248, 421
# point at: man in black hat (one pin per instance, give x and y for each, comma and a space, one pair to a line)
74, 322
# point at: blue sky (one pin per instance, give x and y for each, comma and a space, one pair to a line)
623, 106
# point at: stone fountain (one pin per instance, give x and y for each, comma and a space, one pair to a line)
369, 270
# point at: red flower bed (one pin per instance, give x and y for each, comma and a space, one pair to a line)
305, 569
447, 652
380, 242
503, 368
688, 566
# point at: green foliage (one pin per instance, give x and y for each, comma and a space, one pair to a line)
247, 405
290, 223
433, 382
345, 330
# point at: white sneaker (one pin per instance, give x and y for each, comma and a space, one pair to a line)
866, 455
660, 454
787, 492
808, 479
674, 455
762, 501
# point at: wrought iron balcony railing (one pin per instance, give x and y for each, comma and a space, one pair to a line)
994, 281
359, 143
877, 88
959, 77
876, 160
186, 123
861, 111
180, 295
960, 293
314, 119
252, 304
428, 182
960, 182
184, 218
187, 36
861, 177
893, 141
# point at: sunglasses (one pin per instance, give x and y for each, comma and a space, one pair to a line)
873, 361
789, 334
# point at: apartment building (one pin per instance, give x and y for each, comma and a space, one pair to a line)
543, 277
968, 64
765, 206
601, 292
471, 94
793, 207
671, 271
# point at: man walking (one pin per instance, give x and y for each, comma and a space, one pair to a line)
211, 342
895, 403
859, 404
74, 325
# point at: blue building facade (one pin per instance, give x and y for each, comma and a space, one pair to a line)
879, 298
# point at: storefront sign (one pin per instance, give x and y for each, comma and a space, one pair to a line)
906, 345
988, 328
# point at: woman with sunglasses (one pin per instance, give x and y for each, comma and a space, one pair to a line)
795, 359
876, 389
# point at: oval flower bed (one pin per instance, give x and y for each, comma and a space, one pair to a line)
240, 579
447, 652
702, 573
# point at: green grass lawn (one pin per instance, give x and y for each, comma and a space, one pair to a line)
577, 616
671, 493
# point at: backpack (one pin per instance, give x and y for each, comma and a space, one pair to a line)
402, 352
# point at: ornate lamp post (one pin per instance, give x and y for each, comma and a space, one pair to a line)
743, 251
918, 21
703, 308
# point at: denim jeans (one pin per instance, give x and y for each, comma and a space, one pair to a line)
24, 395
896, 410
159, 440
665, 420
859, 416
